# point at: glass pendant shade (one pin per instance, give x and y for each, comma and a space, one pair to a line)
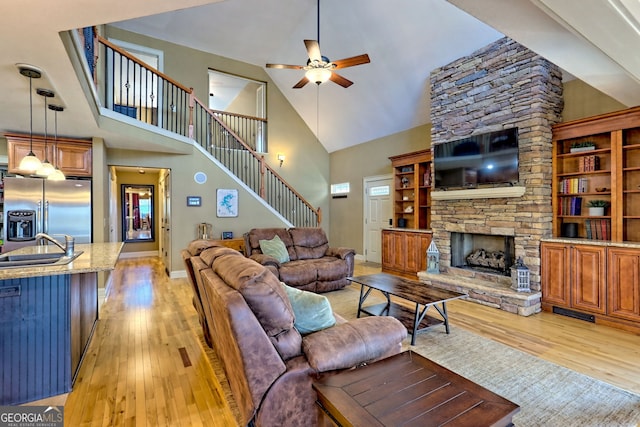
30, 163
45, 169
318, 75
56, 175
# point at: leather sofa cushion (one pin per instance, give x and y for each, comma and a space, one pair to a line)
331, 268
208, 255
309, 243
268, 301
298, 273
353, 343
197, 246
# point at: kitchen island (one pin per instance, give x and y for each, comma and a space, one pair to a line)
47, 317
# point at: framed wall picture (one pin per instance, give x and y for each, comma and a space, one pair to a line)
226, 203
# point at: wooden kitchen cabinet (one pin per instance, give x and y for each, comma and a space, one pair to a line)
574, 276
588, 278
16, 150
556, 278
72, 156
74, 159
404, 252
623, 283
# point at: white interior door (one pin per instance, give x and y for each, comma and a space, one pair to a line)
165, 245
378, 211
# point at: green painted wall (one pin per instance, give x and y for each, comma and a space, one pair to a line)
582, 100
355, 163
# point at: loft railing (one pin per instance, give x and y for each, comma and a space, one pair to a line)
137, 90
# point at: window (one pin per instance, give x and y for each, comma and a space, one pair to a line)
342, 188
381, 190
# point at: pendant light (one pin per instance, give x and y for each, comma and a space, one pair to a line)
46, 168
30, 163
57, 174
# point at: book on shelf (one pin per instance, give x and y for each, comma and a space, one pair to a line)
589, 164
598, 229
571, 206
573, 185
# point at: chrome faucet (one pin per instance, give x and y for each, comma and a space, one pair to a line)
68, 248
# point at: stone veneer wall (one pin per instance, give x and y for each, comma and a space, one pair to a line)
500, 86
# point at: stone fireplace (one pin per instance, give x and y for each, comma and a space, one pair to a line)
501, 86
488, 253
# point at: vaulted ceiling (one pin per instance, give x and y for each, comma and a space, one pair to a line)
593, 40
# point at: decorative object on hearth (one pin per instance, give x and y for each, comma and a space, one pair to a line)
433, 258
520, 277
319, 68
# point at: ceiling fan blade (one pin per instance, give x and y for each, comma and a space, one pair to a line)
350, 62
282, 66
337, 78
313, 49
301, 83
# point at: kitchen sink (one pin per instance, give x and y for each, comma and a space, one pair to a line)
10, 260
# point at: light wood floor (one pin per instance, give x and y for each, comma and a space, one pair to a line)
145, 366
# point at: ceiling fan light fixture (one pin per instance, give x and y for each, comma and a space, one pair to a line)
318, 75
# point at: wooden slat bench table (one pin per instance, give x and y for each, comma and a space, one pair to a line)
409, 390
423, 295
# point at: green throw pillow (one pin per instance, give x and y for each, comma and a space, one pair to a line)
275, 248
312, 311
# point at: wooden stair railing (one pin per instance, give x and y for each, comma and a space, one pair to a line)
148, 95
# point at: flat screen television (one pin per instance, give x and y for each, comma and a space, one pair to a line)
489, 158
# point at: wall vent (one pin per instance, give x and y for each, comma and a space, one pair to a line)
575, 314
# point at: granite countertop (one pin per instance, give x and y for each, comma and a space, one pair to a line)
413, 230
593, 242
95, 257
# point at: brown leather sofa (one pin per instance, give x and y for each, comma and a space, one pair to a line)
313, 266
269, 364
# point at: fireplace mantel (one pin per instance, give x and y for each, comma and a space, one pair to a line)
479, 193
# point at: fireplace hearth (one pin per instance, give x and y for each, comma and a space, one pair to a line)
483, 252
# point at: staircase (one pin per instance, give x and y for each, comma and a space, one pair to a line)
134, 89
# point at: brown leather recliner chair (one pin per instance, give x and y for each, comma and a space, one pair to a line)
313, 265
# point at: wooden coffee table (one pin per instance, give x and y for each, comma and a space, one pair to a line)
409, 390
423, 295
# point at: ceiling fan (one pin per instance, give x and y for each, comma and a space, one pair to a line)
319, 68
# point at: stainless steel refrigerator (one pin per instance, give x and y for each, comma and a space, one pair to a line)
34, 205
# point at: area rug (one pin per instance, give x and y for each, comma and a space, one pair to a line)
548, 394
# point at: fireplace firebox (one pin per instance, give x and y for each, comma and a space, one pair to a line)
483, 252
